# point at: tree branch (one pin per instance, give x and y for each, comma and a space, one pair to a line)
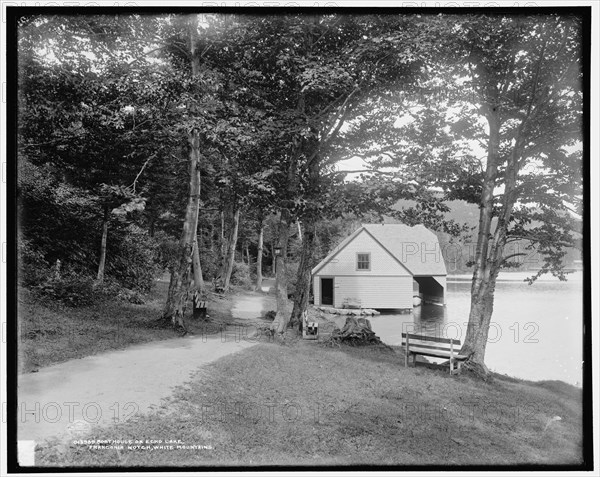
132, 186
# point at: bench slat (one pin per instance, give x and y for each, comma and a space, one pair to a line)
426, 346
430, 343
430, 352
435, 339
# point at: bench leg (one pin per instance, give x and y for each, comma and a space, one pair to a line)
407, 359
455, 366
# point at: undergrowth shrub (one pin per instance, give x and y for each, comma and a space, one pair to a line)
167, 250
61, 222
77, 290
210, 264
33, 268
240, 276
71, 290
133, 260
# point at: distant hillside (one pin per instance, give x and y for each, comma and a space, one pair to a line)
457, 253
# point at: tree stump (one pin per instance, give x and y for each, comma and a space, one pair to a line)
356, 332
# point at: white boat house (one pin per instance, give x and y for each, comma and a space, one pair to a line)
382, 266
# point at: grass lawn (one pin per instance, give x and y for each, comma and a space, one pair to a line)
304, 404
52, 333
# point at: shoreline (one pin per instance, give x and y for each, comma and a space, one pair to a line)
518, 276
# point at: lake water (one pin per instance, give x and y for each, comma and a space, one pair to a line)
537, 330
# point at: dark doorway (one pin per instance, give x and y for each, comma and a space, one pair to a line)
430, 290
327, 291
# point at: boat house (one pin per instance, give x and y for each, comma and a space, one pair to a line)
382, 266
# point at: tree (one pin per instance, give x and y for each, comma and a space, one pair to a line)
119, 200
511, 85
180, 276
312, 80
526, 73
74, 115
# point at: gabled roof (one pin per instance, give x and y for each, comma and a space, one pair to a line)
416, 248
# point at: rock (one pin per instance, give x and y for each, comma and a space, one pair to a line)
351, 303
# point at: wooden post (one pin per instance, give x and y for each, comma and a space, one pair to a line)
451, 356
406, 355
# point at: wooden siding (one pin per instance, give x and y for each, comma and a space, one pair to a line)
344, 262
372, 291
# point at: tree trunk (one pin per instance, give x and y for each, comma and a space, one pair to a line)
490, 247
197, 267
229, 256
282, 318
178, 287
152, 225
105, 220
212, 235
303, 278
486, 270
482, 307
259, 254
273, 259
178, 293
222, 237
304, 275
199, 308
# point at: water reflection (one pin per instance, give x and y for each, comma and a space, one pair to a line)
536, 332
426, 319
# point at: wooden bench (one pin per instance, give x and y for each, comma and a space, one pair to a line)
199, 308
415, 344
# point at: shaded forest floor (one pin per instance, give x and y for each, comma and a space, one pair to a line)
52, 333
304, 404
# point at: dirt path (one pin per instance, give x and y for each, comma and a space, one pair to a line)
111, 387
248, 307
